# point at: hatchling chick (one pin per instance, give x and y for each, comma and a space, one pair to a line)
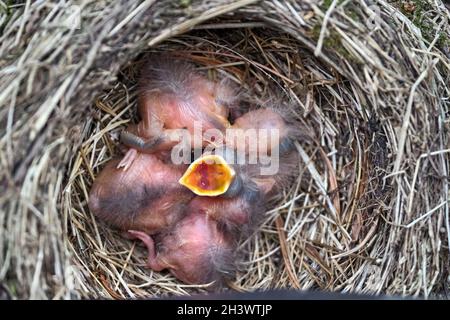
145, 197
264, 120
172, 95
197, 250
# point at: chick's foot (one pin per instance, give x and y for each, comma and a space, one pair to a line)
128, 159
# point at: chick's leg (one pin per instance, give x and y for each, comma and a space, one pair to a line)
151, 145
152, 260
143, 137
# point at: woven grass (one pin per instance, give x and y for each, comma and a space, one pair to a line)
369, 210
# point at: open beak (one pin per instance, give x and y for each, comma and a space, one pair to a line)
209, 175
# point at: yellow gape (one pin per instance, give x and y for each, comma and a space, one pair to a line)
209, 175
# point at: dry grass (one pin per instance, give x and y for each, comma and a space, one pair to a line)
369, 210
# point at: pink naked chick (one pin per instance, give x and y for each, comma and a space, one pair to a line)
196, 250
145, 197
263, 119
172, 95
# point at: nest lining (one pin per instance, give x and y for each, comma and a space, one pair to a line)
368, 212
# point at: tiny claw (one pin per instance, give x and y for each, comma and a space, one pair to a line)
128, 159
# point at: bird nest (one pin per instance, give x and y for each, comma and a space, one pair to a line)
368, 211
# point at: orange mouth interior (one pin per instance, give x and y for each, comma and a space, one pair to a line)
209, 175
